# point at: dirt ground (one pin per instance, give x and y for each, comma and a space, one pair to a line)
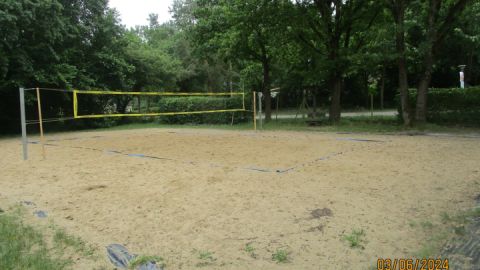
181, 193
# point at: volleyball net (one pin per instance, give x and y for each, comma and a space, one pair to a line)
133, 106
66, 104
48, 105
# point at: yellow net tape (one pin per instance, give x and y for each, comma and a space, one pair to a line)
94, 92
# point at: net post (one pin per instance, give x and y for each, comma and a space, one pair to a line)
254, 111
243, 100
40, 120
23, 123
75, 104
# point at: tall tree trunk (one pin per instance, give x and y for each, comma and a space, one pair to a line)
398, 11
336, 92
422, 90
266, 90
382, 86
426, 76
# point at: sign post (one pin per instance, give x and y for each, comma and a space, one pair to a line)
462, 76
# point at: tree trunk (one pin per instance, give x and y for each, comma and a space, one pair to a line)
336, 92
382, 87
403, 89
422, 90
266, 90
398, 11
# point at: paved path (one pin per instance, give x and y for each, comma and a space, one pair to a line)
347, 114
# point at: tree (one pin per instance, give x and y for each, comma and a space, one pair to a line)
398, 7
246, 30
336, 29
440, 18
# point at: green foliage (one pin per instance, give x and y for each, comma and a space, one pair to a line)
194, 104
355, 239
280, 256
219, 45
451, 105
250, 250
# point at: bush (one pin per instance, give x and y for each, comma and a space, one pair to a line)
449, 105
198, 104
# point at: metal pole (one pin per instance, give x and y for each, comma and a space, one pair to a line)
40, 120
254, 111
24, 123
260, 94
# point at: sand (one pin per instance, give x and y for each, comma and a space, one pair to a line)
216, 191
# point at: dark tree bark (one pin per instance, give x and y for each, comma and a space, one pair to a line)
382, 86
335, 107
266, 90
397, 8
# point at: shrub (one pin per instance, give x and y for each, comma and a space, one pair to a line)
449, 105
197, 104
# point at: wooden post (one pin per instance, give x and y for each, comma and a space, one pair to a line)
254, 111
40, 121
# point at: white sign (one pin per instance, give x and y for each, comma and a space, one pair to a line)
462, 79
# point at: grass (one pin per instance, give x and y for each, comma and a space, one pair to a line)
280, 256
23, 247
250, 250
364, 124
140, 260
205, 255
450, 227
206, 258
62, 239
361, 124
426, 225
355, 239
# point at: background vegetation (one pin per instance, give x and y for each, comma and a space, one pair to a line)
337, 50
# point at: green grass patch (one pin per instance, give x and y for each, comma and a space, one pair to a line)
450, 227
140, 260
62, 239
362, 124
206, 258
355, 239
23, 247
280, 256
206, 255
250, 250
